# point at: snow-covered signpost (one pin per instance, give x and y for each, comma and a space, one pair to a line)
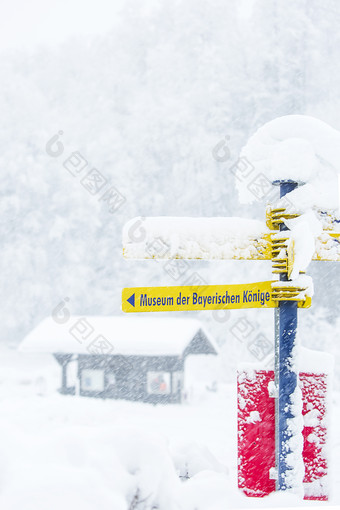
276, 450
285, 376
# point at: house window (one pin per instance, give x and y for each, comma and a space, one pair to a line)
159, 383
92, 380
111, 379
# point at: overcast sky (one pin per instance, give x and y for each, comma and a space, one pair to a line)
26, 24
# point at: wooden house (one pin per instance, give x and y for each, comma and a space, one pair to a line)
133, 358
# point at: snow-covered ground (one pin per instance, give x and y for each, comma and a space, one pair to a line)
64, 452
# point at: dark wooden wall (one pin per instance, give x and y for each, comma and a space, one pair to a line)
131, 376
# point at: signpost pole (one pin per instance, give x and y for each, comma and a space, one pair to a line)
286, 377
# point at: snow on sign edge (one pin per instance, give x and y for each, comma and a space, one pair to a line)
192, 238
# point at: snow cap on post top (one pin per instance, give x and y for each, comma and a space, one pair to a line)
291, 148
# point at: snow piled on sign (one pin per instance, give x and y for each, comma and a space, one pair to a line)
304, 150
303, 282
192, 238
298, 148
303, 231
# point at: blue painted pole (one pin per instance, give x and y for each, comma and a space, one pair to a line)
285, 377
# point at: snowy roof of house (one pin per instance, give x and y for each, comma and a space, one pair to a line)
121, 335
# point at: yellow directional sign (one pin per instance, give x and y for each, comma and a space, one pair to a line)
202, 297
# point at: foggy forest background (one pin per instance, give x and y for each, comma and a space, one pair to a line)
146, 105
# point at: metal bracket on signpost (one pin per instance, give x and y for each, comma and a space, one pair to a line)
285, 377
